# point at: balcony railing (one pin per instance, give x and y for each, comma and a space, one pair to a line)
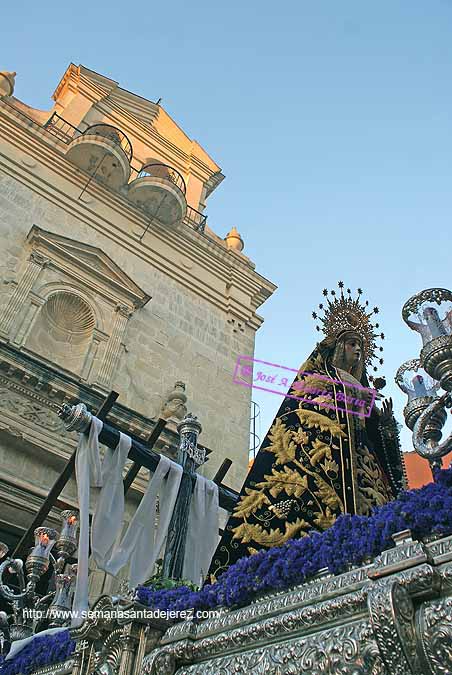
63, 130
66, 132
112, 134
195, 219
165, 172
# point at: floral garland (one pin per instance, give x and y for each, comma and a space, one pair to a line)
43, 650
350, 540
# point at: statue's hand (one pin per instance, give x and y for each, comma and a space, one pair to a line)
386, 412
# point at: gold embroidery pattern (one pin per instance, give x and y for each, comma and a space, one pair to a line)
308, 471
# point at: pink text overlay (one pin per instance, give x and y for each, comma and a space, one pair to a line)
276, 379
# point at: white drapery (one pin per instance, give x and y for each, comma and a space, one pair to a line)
87, 472
202, 535
142, 541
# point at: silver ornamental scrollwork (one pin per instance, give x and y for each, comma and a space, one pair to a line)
423, 449
159, 662
189, 445
189, 429
445, 575
278, 602
441, 550
75, 417
435, 629
164, 660
412, 364
392, 617
337, 609
110, 655
346, 650
233, 635
264, 638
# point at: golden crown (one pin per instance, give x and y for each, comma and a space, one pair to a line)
344, 313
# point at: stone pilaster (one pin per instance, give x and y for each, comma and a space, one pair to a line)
36, 263
114, 343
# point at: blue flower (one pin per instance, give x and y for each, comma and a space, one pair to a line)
43, 650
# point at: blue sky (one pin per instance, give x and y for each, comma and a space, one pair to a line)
331, 121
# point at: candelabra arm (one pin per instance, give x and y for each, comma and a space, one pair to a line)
424, 446
44, 600
5, 591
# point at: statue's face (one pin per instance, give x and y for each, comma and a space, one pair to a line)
353, 351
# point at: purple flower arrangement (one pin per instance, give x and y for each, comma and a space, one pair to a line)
351, 540
44, 650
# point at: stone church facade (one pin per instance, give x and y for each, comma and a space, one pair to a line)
110, 278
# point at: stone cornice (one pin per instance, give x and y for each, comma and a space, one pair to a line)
70, 79
49, 387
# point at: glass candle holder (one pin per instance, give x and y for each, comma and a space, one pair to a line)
67, 540
429, 313
61, 605
420, 388
45, 539
37, 562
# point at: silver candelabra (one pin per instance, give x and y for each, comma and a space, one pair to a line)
429, 313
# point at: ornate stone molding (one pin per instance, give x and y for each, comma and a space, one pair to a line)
87, 265
37, 411
111, 354
36, 263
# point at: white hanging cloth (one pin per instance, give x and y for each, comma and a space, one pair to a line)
143, 541
87, 472
202, 535
109, 513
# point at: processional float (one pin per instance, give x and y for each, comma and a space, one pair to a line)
389, 614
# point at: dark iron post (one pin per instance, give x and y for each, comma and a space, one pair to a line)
190, 457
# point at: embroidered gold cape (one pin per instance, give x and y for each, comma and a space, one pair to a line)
314, 464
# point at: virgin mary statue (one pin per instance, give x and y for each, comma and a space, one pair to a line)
329, 451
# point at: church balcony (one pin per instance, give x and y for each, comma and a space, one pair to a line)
104, 152
67, 133
159, 190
